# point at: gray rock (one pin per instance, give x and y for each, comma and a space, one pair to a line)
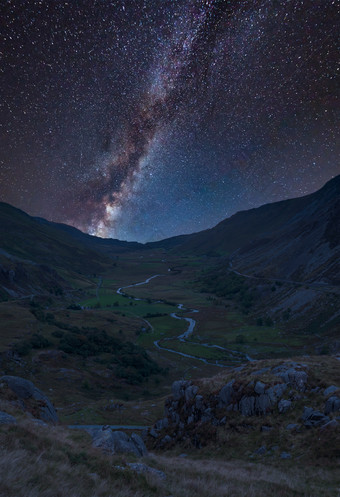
297, 379
7, 419
143, 468
262, 404
332, 404
190, 393
25, 389
199, 402
284, 405
292, 426
247, 406
137, 440
167, 439
313, 418
276, 392
162, 424
118, 442
266, 428
262, 450
153, 433
260, 387
226, 394
178, 388
330, 390
190, 419
285, 455
330, 425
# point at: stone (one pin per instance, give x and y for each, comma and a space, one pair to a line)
266, 428
118, 442
190, 393
262, 450
167, 439
285, 455
226, 394
313, 418
190, 419
7, 419
330, 425
262, 404
332, 404
276, 392
284, 405
25, 390
178, 388
199, 402
153, 433
137, 440
330, 390
143, 468
292, 426
260, 387
247, 406
162, 424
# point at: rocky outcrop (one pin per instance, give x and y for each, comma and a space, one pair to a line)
30, 398
118, 442
194, 409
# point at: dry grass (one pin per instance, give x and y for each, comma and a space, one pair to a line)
52, 462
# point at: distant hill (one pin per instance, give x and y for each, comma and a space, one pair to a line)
297, 238
34, 253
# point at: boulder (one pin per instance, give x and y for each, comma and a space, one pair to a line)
313, 418
284, 405
292, 426
226, 394
296, 379
247, 406
262, 404
162, 424
25, 390
143, 468
276, 392
260, 387
330, 390
190, 393
332, 405
178, 388
118, 442
7, 419
330, 425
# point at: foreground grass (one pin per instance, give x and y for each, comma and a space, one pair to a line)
53, 462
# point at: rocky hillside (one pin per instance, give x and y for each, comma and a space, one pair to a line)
267, 406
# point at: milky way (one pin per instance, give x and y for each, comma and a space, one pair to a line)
144, 119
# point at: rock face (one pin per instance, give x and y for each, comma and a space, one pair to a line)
118, 442
31, 398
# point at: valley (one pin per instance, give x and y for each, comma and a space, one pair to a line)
113, 332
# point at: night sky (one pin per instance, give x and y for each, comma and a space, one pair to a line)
143, 119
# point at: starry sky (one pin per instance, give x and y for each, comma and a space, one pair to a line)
144, 119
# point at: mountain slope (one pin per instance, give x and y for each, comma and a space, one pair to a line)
297, 238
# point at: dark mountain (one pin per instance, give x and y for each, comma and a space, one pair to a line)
35, 253
297, 238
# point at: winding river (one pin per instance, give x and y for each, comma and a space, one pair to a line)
184, 336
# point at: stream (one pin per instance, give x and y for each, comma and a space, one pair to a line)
187, 333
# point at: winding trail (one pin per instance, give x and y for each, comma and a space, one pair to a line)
184, 336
